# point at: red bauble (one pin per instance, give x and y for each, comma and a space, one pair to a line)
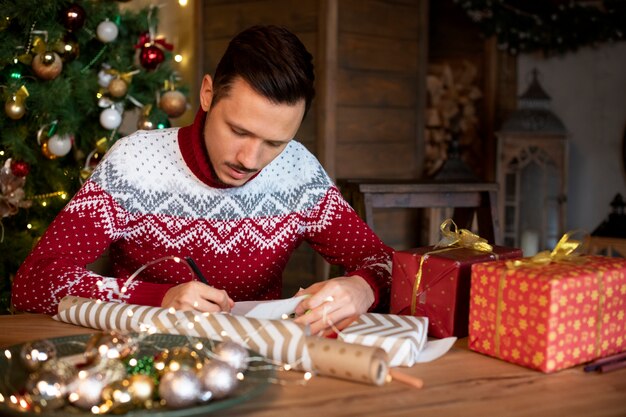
73, 17
20, 168
151, 56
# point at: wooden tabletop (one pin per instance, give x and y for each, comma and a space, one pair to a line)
461, 383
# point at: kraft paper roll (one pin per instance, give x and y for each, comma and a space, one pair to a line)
331, 357
280, 340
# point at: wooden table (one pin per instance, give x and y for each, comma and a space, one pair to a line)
462, 383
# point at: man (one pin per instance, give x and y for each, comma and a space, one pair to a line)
233, 191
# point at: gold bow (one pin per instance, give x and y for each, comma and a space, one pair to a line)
126, 76
453, 236
566, 250
39, 47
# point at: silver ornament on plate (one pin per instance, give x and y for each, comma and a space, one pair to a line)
180, 388
233, 354
85, 390
45, 391
219, 378
34, 354
177, 358
109, 345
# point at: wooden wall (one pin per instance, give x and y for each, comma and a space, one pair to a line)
371, 58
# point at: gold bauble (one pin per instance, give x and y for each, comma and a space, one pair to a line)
118, 88
14, 108
144, 123
173, 103
46, 152
47, 65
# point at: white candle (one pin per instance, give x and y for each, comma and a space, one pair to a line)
530, 242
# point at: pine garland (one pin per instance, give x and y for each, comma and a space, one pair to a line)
550, 26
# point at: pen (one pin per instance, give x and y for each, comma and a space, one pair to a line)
597, 364
195, 268
613, 366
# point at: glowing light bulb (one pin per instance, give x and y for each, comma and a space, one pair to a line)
182, 2
178, 58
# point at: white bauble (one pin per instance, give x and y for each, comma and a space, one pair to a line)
107, 31
60, 145
104, 78
110, 119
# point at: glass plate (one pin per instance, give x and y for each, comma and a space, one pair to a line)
13, 372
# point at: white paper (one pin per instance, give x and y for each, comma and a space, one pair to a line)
434, 349
269, 310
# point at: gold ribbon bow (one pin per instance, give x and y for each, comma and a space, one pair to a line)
452, 238
126, 76
566, 250
39, 47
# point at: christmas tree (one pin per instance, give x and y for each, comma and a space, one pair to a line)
68, 71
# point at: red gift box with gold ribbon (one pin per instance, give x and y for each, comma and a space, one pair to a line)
549, 314
434, 281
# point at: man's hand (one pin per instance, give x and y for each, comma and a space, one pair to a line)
195, 295
334, 303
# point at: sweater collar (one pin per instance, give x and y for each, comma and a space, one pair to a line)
193, 149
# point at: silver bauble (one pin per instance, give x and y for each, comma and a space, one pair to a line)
219, 378
46, 391
233, 354
179, 388
85, 389
109, 345
34, 354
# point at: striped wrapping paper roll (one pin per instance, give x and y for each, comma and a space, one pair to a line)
279, 340
402, 337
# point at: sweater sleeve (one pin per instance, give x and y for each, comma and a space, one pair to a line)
337, 233
56, 267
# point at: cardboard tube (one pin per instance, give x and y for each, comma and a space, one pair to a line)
332, 357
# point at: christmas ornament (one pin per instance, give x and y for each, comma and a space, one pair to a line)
177, 358
12, 188
141, 388
118, 396
67, 48
34, 354
107, 31
144, 123
47, 65
85, 389
233, 354
151, 56
104, 76
109, 345
59, 145
179, 388
118, 88
45, 391
173, 103
110, 118
20, 168
73, 17
15, 106
219, 378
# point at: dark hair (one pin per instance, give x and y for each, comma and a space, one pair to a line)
272, 60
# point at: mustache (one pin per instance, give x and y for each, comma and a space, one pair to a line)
241, 168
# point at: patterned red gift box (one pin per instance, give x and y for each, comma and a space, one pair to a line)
549, 317
442, 293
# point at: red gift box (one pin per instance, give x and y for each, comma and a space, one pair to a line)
550, 316
444, 286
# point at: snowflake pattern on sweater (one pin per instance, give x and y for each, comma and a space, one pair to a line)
144, 202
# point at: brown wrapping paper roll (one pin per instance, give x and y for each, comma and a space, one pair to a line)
359, 363
280, 340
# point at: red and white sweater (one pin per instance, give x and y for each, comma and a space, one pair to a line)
154, 195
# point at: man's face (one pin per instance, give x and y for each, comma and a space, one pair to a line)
244, 131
